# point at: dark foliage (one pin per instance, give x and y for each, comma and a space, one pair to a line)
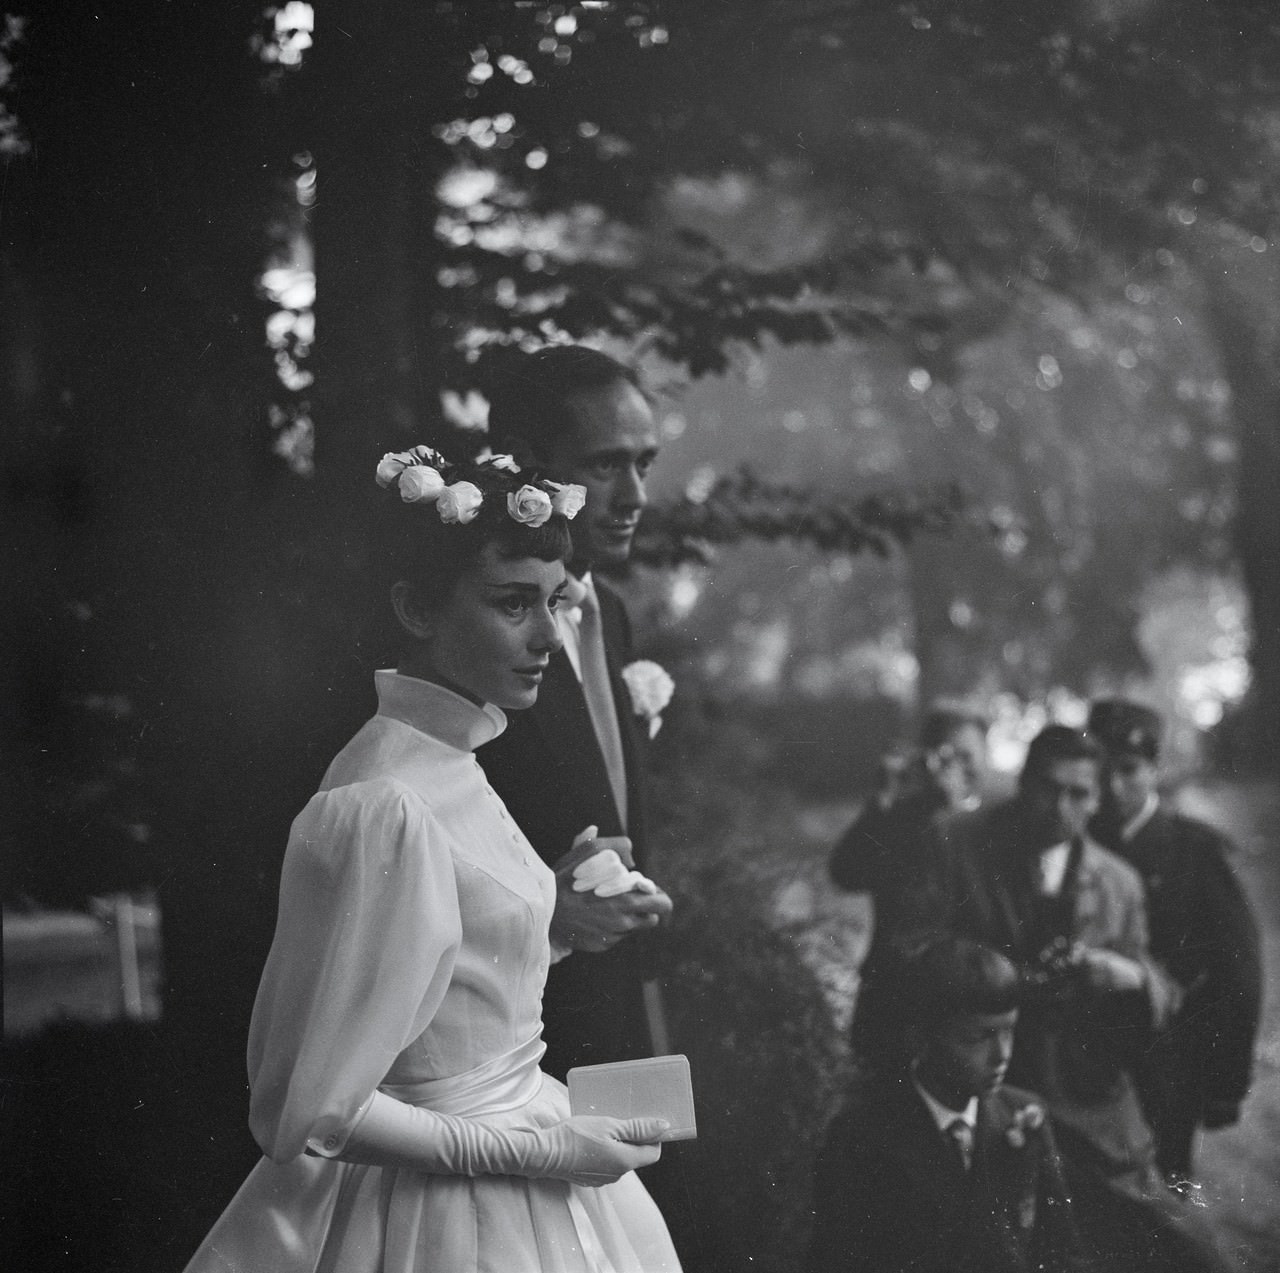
740, 506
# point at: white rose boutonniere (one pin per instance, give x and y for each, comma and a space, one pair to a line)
1029, 1118
651, 689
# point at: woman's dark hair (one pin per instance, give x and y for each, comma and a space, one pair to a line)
950, 976
432, 556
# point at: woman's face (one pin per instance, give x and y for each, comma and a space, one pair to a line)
496, 631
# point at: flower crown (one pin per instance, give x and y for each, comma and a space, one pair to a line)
424, 476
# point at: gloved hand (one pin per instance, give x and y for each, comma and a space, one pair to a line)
585, 1150
589, 1149
604, 874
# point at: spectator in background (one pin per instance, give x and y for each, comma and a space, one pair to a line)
940, 1168
1196, 1072
882, 853
1025, 878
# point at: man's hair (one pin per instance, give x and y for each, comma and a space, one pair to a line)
1056, 743
954, 976
940, 723
529, 399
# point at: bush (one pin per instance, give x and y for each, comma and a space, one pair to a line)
766, 1058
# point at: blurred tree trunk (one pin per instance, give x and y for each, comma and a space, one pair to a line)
939, 646
1249, 346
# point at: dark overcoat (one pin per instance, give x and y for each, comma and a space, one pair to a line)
1203, 933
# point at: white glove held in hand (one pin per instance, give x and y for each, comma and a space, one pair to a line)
605, 875
585, 1150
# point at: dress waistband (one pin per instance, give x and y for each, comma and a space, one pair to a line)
504, 1083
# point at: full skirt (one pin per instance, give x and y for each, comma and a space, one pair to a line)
318, 1215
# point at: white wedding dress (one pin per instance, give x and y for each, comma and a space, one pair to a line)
409, 956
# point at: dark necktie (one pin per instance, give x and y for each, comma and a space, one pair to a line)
960, 1137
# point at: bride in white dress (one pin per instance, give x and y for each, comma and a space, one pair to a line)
393, 1054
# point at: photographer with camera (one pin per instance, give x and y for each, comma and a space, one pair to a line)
882, 853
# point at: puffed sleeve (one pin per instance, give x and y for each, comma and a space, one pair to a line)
366, 936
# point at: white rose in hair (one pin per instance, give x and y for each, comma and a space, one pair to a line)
567, 500
391, 466
530, 506
460, 502
651, 689
420, 484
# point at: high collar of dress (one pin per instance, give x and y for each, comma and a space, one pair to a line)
439, 712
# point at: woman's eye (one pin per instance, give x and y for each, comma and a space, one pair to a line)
515, 605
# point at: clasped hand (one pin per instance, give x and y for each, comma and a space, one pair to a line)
586, 922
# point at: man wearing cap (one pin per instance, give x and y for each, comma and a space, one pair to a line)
1197, 1070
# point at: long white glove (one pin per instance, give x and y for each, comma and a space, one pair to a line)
584, 1150
606, 875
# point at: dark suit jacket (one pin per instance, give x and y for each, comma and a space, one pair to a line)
550, 772
889, 1195
1204, 934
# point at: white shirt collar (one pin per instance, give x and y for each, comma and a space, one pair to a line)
1053, 868
569, 617
941, 1114
1141, 818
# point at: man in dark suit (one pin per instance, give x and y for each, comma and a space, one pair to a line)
575, 760
1197, 1070
1025, 878
940, 1168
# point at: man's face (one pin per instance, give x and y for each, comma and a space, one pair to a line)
968, 1056
609, 450
1058, 800
1130, 782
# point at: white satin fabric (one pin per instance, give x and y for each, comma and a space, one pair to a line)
409, 956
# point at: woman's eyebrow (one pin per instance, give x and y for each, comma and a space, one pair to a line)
518, 585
